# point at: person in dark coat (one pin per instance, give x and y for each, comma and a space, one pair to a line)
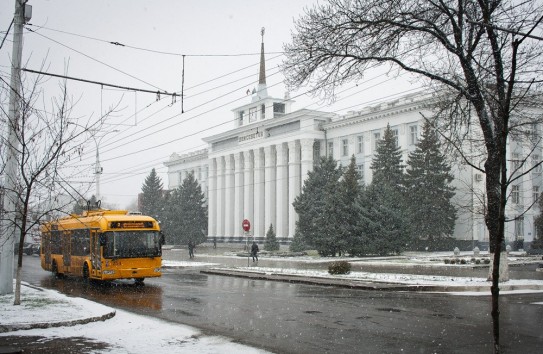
191, 249
254, 251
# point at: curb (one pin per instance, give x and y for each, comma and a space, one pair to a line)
362, 284
42, 325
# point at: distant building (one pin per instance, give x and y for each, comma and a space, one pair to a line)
256, 170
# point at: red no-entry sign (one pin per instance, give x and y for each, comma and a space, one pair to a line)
246, 225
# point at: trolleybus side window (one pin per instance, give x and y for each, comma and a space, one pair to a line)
56, 242
81, 242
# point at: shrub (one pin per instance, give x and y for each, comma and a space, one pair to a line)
463, 261
487, 261
447, 261
271, 243
339, 267
477, 261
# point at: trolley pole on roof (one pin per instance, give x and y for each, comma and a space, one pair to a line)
22, 14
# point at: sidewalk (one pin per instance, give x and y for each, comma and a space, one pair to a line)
50, 322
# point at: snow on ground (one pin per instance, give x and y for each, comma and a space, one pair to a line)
409, 279
187, 264
123, 332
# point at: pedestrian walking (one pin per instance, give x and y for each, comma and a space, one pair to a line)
254, 251
191, 249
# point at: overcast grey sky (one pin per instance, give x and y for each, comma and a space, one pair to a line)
74, 38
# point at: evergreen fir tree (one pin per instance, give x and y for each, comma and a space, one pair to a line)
350, 190
428, 191
152, 201
298, 244
317, 207
186, 216
382, 225
387, 164
271, 244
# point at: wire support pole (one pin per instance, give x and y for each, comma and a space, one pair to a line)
8, 227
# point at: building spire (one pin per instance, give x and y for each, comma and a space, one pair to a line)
262, 76
261, 91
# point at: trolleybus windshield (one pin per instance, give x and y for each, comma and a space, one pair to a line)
131, 244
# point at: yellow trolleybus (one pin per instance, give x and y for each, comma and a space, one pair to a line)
103, 245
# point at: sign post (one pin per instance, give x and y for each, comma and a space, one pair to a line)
247, 227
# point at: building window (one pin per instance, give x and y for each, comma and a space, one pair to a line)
360, 169
345, 147
331, 148
316, 152
535, 193
536, 162
252, 114
376, 138
395, 135
519, 228
278, 108
413, 135
263, 111
360, 144
515, 194
241, 115
516, 162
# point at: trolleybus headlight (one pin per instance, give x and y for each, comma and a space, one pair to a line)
158, 270
108, 272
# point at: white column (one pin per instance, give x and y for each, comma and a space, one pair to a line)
248, 186
205, 182
259, 194
281, 229
269, 188
293, 184
229, 196
307, 157
220, 196
212, 199
238, 193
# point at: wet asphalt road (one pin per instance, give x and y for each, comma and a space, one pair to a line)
297, 318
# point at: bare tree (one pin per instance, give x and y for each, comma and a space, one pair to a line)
46, 142
480, 54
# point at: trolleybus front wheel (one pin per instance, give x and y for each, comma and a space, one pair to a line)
139, 281
54, 270
86, 272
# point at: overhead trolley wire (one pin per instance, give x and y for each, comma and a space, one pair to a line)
98, 82
116, 43
7, 32
94, 59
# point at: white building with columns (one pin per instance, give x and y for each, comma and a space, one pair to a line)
256, 170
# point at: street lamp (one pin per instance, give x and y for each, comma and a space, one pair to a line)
99, 169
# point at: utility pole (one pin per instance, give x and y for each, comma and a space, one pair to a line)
8, 229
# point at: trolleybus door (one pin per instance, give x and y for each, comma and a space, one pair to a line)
46, 244
95, 251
